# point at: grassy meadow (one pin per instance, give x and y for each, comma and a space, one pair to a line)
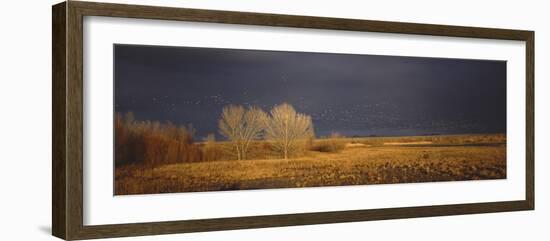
331, 161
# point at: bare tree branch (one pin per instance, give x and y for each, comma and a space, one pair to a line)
241, 127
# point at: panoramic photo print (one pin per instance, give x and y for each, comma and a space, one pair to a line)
189, 119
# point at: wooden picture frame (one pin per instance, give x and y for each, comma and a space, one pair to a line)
67, 75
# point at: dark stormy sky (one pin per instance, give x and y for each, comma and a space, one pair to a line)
356, 95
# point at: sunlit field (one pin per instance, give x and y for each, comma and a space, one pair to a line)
331, 161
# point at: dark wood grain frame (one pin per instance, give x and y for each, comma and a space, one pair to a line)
67, 75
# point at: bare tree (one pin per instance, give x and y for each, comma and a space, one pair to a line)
285, 128
241, 126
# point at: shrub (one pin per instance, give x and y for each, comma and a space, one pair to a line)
211, 150
333, 144
153, 143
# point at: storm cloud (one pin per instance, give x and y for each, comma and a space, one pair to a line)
355, 95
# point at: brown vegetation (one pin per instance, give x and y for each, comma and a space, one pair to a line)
335, 143
330, 161
153, 143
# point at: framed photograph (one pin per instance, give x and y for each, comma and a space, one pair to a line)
171, 120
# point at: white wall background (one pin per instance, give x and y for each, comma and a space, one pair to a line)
25, 119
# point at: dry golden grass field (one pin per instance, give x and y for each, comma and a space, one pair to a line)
356, 161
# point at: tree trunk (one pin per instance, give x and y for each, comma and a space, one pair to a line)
238, 152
